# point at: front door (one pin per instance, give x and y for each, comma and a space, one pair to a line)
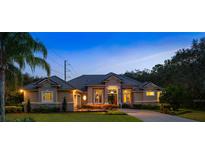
112, 96
79, 101
112, 99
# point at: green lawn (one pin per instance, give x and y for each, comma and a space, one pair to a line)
73, 117
194, 115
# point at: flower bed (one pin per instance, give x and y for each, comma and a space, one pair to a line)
99, 106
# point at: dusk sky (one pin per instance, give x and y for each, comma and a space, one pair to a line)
101, 53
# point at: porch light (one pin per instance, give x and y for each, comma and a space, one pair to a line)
112, 92
84, 97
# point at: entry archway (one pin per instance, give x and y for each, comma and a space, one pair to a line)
112, 94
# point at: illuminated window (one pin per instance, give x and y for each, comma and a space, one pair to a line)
47, 96
127, 96
150, 93
98, 96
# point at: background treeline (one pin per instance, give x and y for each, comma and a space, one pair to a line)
182, 77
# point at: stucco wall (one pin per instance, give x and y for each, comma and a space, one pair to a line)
138, 96
32, 95
58, 96
141, 97
68, 95
150, 98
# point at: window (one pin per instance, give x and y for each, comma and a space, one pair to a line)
47, 96
127, 96
150, 93
98, 96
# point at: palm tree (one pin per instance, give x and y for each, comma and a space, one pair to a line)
16, 51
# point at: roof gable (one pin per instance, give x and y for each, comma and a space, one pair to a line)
150, 85
111, 76
53, 81
47, 81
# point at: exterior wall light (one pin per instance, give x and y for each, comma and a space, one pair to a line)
84, 97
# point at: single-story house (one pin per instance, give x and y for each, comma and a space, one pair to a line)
110, 88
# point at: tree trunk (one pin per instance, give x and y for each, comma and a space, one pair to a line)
2, 94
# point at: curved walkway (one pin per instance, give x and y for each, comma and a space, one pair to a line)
152, 116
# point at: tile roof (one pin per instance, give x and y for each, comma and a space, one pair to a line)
84, 80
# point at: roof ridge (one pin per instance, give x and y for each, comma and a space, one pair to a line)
64, 81
130, 78
76, 78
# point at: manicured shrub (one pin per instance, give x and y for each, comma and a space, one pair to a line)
13, 109
125, 105
99, 106
45, 109
13, 104
146, 106
165, 108
28, 106
64, 105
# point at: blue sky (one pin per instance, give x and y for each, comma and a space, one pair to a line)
100, 53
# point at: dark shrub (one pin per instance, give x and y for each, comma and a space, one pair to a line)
173, 95
45, 109
165, 108
13, 109
28, 106
64, 105
146, 106
14, 104
13, 98
125, 105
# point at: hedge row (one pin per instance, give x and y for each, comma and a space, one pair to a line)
14, 109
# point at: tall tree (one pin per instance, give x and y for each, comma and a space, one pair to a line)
185, 69
16, 51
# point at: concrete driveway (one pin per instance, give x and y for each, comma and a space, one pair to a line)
152, 116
